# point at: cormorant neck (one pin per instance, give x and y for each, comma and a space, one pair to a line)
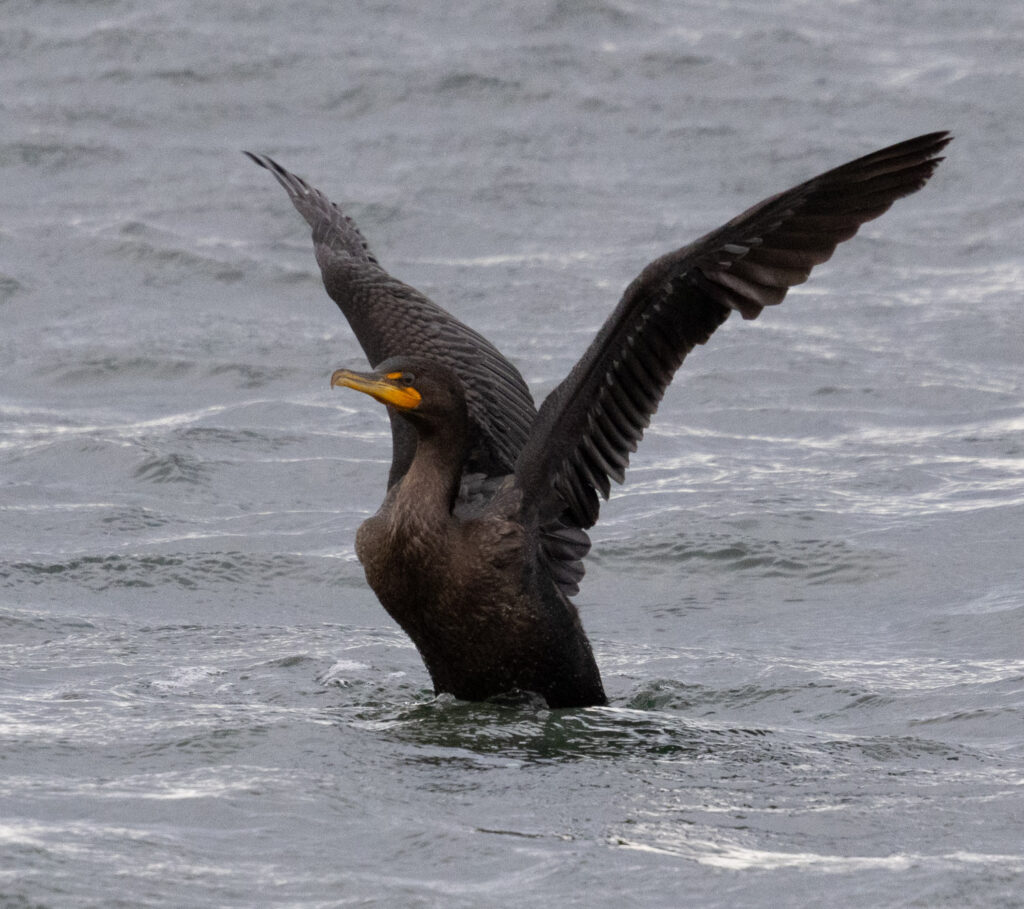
435, 473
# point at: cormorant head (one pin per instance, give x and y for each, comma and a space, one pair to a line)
421, 389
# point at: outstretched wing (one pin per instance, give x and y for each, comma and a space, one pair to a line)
391, 319
590, 423
334, 232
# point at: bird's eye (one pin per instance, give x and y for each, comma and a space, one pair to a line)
401, 378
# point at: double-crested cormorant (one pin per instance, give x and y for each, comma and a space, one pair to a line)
478, 544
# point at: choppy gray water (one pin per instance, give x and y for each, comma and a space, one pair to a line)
807, 601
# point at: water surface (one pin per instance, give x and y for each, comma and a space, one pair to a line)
806, 601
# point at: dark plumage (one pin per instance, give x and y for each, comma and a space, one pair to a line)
479, 542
